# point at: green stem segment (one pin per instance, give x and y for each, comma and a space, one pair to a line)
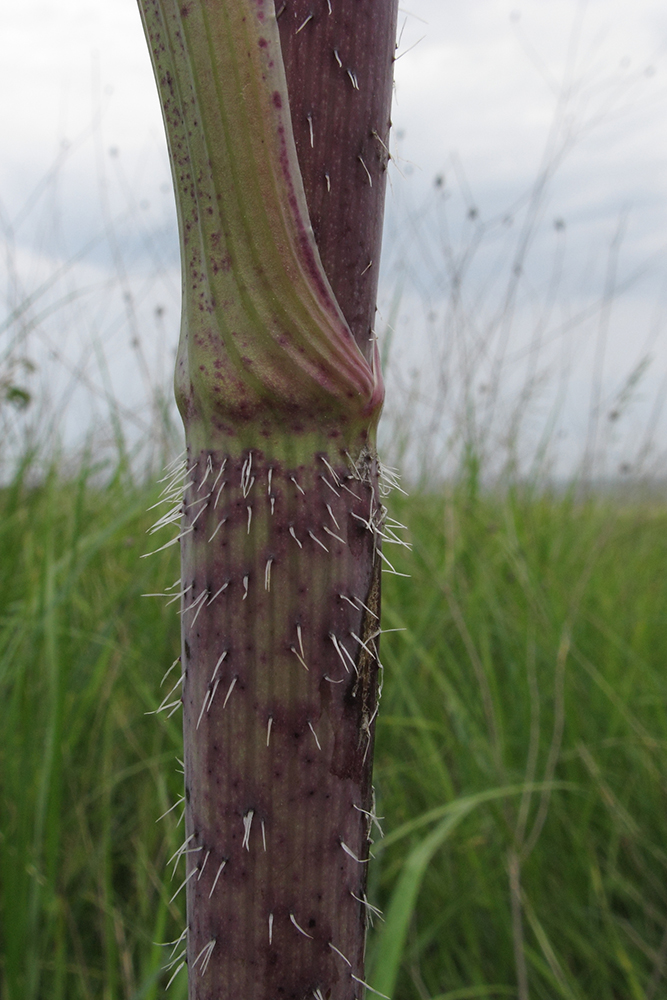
280, 567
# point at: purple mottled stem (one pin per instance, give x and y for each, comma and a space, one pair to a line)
280, 697
280, 392
339, 76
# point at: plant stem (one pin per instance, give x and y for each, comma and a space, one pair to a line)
278, 384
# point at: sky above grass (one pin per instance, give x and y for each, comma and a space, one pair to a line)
480, 79
488, 95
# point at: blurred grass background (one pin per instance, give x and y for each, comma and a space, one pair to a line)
520, 764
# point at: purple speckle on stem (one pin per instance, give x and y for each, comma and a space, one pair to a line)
243, 378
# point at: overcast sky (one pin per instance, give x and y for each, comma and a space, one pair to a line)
487, 94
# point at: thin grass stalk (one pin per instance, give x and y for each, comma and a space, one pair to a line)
279, 387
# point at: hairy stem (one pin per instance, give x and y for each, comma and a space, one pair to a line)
278, 383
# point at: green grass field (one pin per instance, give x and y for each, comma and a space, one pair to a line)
520, 760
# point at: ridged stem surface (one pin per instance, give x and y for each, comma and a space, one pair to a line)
279, 388
338, 60
280, 691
